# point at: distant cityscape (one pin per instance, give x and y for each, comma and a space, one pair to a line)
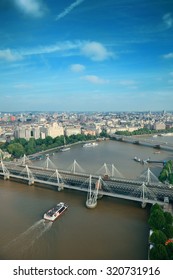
40, 125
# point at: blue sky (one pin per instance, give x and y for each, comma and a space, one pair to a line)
86, 55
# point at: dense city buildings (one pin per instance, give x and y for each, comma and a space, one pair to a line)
42, 124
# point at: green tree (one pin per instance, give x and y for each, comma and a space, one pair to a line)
48, 140
158, 237
156, 219
169, 249
166, 173
170, 178
158, 252
16, 149
31, 146
104, 133
22, 141
154, 207
168, 231
168, 218
39, 142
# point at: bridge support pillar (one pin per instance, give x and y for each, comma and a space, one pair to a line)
143, 204
6, 172
30, 182
60, 187
30, 176
6, 176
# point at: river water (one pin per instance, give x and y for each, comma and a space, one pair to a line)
115, 229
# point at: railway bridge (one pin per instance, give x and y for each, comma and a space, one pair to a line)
145, 189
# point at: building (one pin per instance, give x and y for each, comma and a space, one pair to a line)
159, 126
88, 132
72, 130
53, 130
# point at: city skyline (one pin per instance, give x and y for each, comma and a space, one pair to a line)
83, 55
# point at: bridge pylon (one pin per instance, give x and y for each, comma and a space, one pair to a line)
30, 176
92, 195
149, 177
146, 194
25, 160
6, 172
60, 184
74, 166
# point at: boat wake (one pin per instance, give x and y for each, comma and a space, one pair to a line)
27, 239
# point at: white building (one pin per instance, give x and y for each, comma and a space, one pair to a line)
72, 130
52, 130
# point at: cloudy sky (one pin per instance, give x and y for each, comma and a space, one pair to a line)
86, 55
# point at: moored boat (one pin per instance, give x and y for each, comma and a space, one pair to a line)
90, 144
65, 148
137, 159
52, 214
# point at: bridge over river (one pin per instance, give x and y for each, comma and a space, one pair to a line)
145, 189
158, 144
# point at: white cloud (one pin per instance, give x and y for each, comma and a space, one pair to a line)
31, 7
8, 55
58, 47
69, 9
95, 79
167, 56
95, 51
168, 20
77, 67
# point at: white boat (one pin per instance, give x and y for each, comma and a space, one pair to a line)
65, 148
137, 159
52, 214
94, 144
90, 144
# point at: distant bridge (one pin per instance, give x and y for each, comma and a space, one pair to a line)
145, 189
143, 141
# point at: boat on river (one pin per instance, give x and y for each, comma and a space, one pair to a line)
65, 148
90, 144
137, 159
52, 214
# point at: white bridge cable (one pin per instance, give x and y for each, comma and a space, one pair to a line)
24, 160
56, 175
85, 183
4, 168
144, 192
76, 168
48, 164
110, 170
93, 192
116, 173
148, 177
105, 185
27, 173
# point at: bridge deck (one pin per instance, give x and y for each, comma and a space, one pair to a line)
114, 187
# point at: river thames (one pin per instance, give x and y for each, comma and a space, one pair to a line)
115, 229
